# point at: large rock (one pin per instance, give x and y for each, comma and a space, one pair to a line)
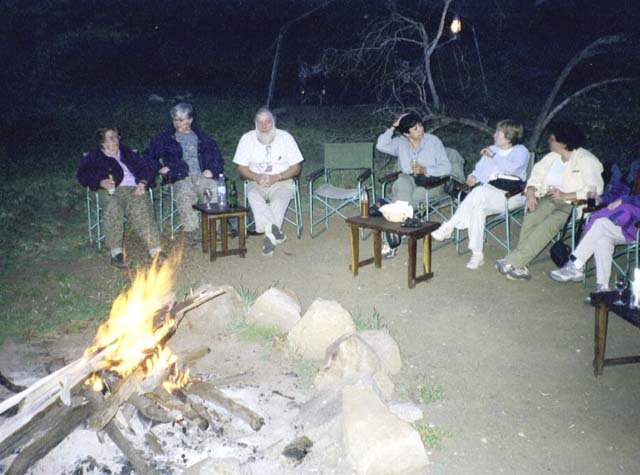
217, 466
276, 308
350, 359
375, 440
324, 322
385, 347
209, 319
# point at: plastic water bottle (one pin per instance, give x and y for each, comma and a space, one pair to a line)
222, 192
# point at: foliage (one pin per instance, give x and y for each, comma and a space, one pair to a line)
373, 322
306, 371
428, 393
249, 296
432, 436
268, 337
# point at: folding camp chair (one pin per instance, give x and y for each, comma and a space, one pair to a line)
294, 211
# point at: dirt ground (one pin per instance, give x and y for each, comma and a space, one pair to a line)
513, 358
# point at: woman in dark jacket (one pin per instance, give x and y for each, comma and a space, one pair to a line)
121, 177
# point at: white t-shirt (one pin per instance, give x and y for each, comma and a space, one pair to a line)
556, 172
271, 159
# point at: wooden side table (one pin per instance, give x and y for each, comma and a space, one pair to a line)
603, 302
380, 224
209, 218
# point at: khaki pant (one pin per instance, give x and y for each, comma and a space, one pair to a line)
137, 209
187, 193
538, 228
269, 205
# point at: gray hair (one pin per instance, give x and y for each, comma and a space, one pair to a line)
181, 109
265, 110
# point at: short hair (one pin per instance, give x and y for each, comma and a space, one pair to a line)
101, 134
512, 131
568, 134
407, 122
265, 110
182, 109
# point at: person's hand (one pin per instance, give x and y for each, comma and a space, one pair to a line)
418, 170
487, 152
531, 201
556, 194
471, 180
107, 184
207, 174
263, 180
164, 170
397, 122
140, 189
615, 204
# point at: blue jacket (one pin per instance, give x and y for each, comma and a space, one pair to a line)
96, 166
164, 150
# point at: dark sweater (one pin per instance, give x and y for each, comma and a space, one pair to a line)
96, 166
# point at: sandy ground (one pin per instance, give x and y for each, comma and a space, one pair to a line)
513, 358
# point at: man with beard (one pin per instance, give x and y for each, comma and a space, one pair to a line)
268, 158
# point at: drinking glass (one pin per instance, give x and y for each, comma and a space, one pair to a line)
208, 197
414, 164
621, 285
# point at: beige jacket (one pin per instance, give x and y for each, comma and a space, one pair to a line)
584, 170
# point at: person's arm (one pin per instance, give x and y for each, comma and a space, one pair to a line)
387, 144
246, 174
213, 163
513, 164
89, 173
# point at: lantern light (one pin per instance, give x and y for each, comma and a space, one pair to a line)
456, 25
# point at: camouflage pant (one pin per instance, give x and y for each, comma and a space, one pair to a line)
138, 211
187, 193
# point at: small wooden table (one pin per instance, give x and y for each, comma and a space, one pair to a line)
208, 226
379, 224
603, 302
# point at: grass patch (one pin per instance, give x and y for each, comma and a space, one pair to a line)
432, 437
270, 338
249, 296
429, 393
306, 371
369, 322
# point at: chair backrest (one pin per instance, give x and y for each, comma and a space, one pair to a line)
457, 164
532, 159
348, 155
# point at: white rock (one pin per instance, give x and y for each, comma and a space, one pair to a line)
276, 308
217, 466
386, 348
375, 440
407, 411
323, 323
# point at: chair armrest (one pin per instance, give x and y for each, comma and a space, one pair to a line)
388, 177
315, 174
593, 209
436, 182
364, 175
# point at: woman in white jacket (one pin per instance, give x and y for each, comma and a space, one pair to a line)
505, 157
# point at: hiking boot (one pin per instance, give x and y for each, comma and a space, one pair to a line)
567, 272
599, 288
477, 259
519, 273
443, 232
503, 266
268, 247
118, 261
389, 252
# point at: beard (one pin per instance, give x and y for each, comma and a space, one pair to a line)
266, 138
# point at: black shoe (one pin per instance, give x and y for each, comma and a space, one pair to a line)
118, 261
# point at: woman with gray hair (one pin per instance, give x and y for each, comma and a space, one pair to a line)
187, 157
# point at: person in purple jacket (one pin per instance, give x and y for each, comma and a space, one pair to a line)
121, 177
607, 228
187, 157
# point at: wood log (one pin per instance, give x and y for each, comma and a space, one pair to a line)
172, 402
135, 457
150, 409
211, 393
67, 419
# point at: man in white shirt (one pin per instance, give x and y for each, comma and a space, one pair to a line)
269, 159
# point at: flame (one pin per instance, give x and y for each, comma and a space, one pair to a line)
95, 382
129, 335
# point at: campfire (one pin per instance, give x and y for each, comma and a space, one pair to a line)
128, 367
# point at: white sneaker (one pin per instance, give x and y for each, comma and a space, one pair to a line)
568, 272
476, 261
388, 252
443, 232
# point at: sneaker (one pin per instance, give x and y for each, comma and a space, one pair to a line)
519, 273
599, 288
443, 232
389, 252
118, 261
268, 247
567, 272
476, 261
277, 234
503, 266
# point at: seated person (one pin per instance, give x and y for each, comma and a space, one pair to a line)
269, 159
607, 228
187, 157
505, 157
122, 177
420, 156
567, 173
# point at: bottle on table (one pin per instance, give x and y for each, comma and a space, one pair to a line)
111, 190
364, 203
221, 192
233, 195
